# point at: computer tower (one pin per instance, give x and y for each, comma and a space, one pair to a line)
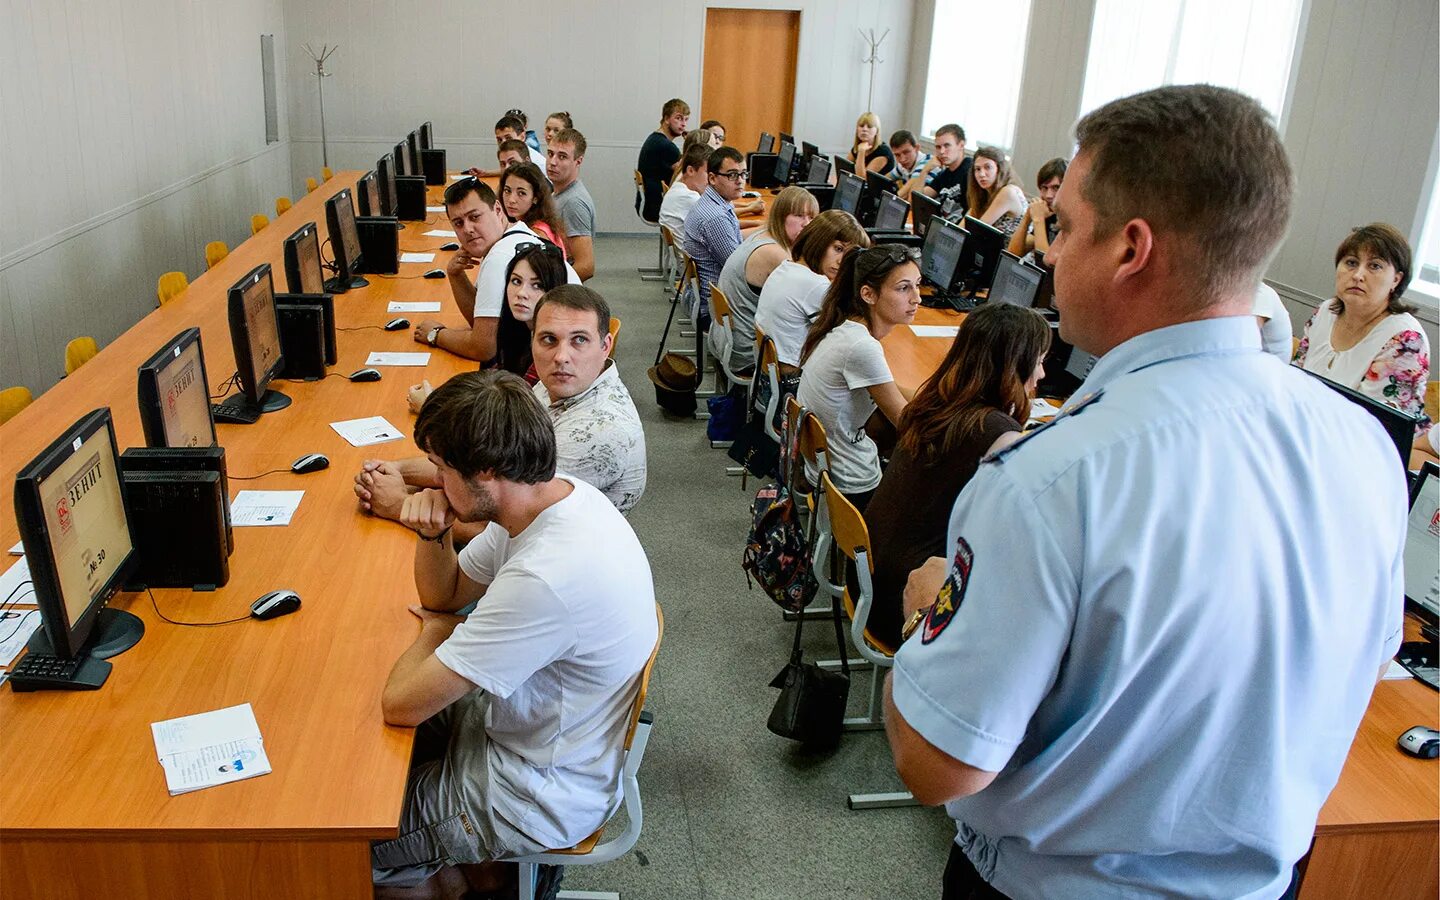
184, 459
762, 170
379, 243
410, 198
327, 303
433, 162
302, 340
179, 523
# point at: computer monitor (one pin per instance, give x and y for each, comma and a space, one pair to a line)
940, 256
427, 137
982, 251
255, 339
70, 506
880, 184
1400, 426
843, 165
787, 138
401, 155
367, 194
1422, 545
891, 214
385, 182
303, 273
808, 150
344, 244
924, 209
767, 143
848, 191
784, 162
1016, 282
174, 395
817, 170
412, 147
1080, 364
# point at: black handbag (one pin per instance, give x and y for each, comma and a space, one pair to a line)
811, 705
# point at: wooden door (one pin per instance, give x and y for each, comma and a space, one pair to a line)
749, 76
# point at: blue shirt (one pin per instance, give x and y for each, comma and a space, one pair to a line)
712, 232
1165, 616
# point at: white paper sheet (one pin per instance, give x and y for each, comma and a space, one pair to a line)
459, 175
440, 232
264, 507
364, 432
935, 331
18, 549
16, 626
417, 257
1396, 671
382, 358
401, 306
1041, 408
189, 733
10, 590
211, 748
434, 209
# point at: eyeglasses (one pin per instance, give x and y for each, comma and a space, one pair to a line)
738, 176
541, 246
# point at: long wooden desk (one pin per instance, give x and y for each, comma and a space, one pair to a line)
84, 810
1378, 835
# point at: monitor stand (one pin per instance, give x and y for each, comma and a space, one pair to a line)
238, 410
336, 286
115, 632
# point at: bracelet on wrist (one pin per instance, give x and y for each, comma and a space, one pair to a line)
437, 538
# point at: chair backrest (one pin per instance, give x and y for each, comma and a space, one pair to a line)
1432, 401
214, 252
614, 334
719, 305
327, 173
639, 706
310, 185
170, 285
667, 235
12, 400
281, 205
812, 444
78, 352
849, 534
257, 222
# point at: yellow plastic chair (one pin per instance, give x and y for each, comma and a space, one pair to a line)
257, 222
327, 173
170, 285
12, 400
281, 205
214, 252
614, 334
78, 352
310, 185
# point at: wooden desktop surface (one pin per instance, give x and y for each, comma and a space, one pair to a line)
82, 764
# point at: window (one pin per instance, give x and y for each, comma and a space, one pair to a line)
974, 80
1136, 45
1427, 253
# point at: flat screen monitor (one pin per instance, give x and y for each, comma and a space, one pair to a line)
367, 195
1400, 426
784, 161
401, 154
891, 214
817, 170
303, 273
1080, 363
848, 190
174, 395
808, 149
982, 253
843, 165
70, 506
925, 207
344, 243
427, 137
1016, 282
1422, 544
412, 149
880, 184
787, 138
385, 182
255, 339
767, 143
940, 256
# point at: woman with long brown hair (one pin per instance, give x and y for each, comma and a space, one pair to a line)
993, 196
525, 196
976, 402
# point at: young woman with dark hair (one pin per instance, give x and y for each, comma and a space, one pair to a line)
525, 195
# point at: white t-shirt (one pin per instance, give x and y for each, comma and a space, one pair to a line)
1277, 331
676, 205
789, 300
833, 387
490, 280
558, 641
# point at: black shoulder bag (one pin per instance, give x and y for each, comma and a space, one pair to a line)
811, 705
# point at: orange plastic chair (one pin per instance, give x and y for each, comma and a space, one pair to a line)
214, 252
257, 222
12, 400
327, 173
310, 185
614, 334
170, 285
281, 205
78, 352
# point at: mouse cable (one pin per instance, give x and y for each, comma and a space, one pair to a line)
399, 277
329, 264
191, 624
227, 386
362, 328
261, 475
10, 601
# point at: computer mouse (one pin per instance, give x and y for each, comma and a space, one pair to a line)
435, 273
450, 246
396, 324
365, 375
310, 462
1420, 741
275, 604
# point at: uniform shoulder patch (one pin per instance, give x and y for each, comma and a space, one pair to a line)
1074, 410
952, 593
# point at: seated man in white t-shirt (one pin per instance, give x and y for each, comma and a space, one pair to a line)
685, 190
1276, 330
522, 705
485, 241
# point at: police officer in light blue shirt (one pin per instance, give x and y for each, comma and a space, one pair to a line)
1139, 671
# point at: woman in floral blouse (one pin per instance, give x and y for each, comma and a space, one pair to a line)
1367, 338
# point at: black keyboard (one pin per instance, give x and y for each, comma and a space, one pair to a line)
236, 411
957, 302
41, 671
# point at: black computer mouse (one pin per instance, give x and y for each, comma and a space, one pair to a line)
365, 375
435, 273
397, 324
275, 604
1420, 741
450, 246
310, 462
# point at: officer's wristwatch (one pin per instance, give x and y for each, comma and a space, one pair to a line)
433, 334
913, 622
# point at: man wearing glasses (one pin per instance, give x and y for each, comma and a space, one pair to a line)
712, 232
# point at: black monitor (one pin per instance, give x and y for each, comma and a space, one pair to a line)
784, 162
848, 191
843, 165
174, 395
255, 339
880, 184
1016, 282
940, 257
401, 155
808, 150
367, 195
1400, 426
1422, 549
891, 214
427, 137
385, 182
303, 272
767, 143
817, 170
344, 244
412, 147
787, 138
982, 251
70, 506
925, 208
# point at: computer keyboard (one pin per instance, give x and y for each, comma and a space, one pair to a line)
957, 302
236, 411
41, 671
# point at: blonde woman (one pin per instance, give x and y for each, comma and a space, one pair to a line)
868, 151
993, 196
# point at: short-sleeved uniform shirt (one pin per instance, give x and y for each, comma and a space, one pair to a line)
490, 278
1165, 615
834, 386
576, 210
558, 641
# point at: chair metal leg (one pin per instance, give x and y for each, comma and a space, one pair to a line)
529, 872
657, 271
874, 718
734, 471
721, 445
856, 665
877, 801
588, 895
809, 613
